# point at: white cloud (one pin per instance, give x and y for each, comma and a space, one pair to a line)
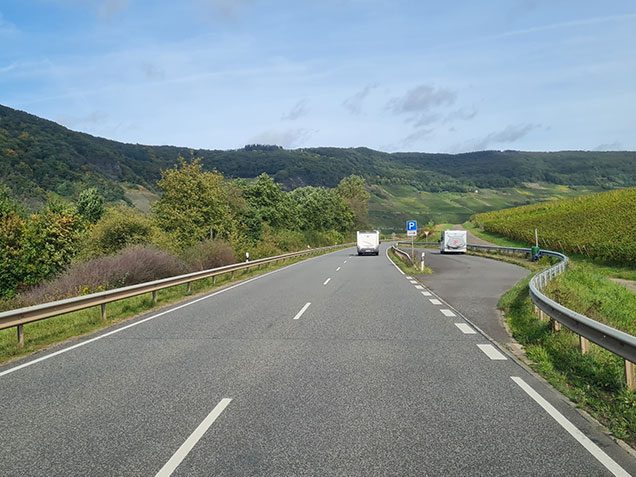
288, 138
422, 98
299, 109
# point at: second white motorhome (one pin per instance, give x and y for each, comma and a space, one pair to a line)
453, 241
368, 242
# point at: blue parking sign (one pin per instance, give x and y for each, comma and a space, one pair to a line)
411, 225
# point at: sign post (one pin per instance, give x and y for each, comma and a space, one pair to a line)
411, 231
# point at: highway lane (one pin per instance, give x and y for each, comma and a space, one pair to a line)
371, 379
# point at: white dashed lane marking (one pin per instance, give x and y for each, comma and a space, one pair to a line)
447, 312
435, 301
467, 330
338, 269
327, 281
302, 310
491, 352
425, 293
419, 287
409, 278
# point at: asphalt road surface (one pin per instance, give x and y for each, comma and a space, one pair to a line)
338, 365
473, 285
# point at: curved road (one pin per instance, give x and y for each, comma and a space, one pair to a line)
339, 365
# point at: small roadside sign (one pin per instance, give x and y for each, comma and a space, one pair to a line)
411, 228
426, 232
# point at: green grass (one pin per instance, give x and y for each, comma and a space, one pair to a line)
406, 266
390, 206
594, 381
44, 333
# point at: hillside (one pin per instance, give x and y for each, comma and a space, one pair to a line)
40, 156
599, 225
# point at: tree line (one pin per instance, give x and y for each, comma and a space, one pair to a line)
198, 212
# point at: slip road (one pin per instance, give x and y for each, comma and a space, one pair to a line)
338, 365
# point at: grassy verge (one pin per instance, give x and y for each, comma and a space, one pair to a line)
42, 334
594, 381
406, 266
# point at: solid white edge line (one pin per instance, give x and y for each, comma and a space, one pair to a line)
492, 352
78, 345
302, 310
446, 312
609, 463
386, 252
467, 330
191, 441
327, 281
435, 301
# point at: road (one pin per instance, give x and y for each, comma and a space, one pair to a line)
338, 365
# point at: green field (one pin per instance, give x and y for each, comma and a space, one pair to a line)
391, 206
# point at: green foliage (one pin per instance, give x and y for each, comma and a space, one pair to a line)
599, 225
322, 209
50, 241
271, 204
353, 190
90, 205
209, 254
194, 204
12, 230
121, 228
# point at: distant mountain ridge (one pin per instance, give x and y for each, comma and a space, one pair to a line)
41, 156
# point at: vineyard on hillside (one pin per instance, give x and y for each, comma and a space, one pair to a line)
599, 225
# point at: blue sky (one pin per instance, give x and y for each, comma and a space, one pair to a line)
392, 75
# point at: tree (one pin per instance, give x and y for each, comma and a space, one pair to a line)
354, 191
273, 205
51, 240
90, 205
322, 209
194, 204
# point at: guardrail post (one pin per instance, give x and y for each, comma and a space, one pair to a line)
20, 335
103, 307
630, 377
154, 297
584, 344
213, 279
232, 274
189, 289
556, 326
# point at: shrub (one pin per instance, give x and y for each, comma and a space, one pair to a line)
121, 228
131, 266
209, 254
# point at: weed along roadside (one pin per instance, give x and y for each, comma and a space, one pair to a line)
590, 376
38, 335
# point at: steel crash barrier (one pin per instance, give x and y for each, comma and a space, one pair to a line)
21, 316
588, 330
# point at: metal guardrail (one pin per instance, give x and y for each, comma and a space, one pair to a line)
616, 341
403, 253
21, 316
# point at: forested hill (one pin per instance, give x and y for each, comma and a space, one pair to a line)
40, 156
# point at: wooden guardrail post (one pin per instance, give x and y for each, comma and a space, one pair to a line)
584, 344
630, 377
103, 307
556, 326
20, 335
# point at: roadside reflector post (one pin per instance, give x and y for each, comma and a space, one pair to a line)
630, 378
103, 307
20, 335
422, 262
584, 344
154, 297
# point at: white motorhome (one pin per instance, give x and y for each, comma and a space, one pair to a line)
368, 242
453, 241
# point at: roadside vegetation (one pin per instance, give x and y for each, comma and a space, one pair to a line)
594, 381
201, 220
406, 266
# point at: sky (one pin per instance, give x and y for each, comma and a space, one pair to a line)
392, 75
